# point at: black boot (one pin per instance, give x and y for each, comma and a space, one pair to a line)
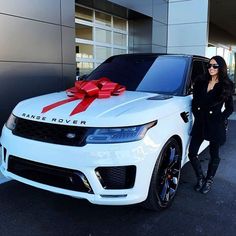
212, 167
199, 173
199, 184
207, 185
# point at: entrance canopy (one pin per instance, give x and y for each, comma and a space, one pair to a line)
222, 28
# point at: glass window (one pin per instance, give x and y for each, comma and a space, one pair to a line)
232, 67
119, 23
117, 51
84, 50
83, 13
102, 53
164, 75
119, 39
119, 68
98, 36
210, 51
83, 32
84, 68
103, 36
220, 52
227, 56
197, 69
102, 18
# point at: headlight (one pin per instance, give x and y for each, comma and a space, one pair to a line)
119, 135
11, 122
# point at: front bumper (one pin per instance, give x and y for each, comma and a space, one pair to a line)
140, 155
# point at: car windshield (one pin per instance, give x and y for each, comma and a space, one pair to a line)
149, 73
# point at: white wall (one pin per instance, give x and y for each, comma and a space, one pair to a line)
188, 26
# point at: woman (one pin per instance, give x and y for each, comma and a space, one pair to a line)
210, 93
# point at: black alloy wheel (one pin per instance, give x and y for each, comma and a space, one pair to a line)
165, 177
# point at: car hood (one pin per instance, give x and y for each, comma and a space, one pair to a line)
130, 108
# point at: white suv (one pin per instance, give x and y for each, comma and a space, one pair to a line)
123, 149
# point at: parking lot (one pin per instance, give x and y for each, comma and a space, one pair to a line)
29, 211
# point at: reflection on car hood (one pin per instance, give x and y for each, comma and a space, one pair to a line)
130, 108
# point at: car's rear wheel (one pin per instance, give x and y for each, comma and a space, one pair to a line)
165, 177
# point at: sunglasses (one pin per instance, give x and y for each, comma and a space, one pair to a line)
215, 66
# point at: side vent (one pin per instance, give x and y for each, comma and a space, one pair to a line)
4, 154
184, 115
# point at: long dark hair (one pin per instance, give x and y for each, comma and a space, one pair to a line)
227, 85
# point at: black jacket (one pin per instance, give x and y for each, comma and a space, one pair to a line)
209, 122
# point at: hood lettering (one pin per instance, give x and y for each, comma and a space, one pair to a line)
53, 120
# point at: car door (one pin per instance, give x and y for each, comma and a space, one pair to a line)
198, 68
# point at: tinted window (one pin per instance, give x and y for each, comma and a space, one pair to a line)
127, 70
163, 74
197, 69
166, 75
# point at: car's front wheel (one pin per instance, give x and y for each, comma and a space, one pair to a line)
165, 177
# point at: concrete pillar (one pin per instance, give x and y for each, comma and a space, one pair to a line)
188, 26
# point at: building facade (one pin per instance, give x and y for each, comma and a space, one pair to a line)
36, 49
44, 41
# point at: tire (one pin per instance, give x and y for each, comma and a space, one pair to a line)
165, 177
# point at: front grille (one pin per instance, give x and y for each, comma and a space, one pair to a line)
50, 175
119, 177
51, 133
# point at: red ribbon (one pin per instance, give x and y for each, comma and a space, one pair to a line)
88, 91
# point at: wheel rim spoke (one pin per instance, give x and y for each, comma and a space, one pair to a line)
169, 174
174, 180
172, 191
169, 188
172, 154
165, 190
175, 171
172, 158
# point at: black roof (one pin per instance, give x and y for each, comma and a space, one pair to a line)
159, 54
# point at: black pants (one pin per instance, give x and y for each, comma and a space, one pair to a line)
214, 161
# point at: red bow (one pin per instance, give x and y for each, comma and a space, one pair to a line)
88, 91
